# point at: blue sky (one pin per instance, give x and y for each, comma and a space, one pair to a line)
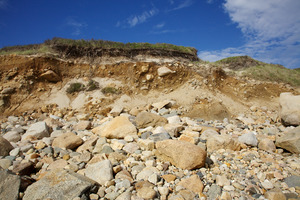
267, 30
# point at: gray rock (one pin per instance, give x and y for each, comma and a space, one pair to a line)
5, 163
36, 131
249, 139
159, 137
9, 185
60, 184
292, 181
214, 192
5, 147
289, 109
289, 141
124, 196
145, 135
100, 171
131, 147
12, 136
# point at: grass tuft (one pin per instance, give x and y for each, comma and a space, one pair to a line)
75, 87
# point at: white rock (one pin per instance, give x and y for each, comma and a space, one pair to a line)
267, 184
174, 119
12, 136
100, 172
163, 71
37, 130
249, 139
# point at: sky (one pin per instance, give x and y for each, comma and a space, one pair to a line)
267, 30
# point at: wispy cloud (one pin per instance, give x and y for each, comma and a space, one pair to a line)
165, 31
134, 20
182, 4
171, 2
271, 29
160, 25
76, 25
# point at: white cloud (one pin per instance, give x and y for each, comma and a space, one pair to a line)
171, 2
139, 19
271, 27
158, 26
76, 25
183, 4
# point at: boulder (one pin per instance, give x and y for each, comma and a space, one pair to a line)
50, 76
289, 109
181, 154
289, 141
100, 172
12, 136
145, 119
9, 185
67, 140
249, 139
118, 128
36, 131
5, 147
222, 142
163, 71
60, 184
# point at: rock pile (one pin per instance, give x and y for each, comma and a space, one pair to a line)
151, 154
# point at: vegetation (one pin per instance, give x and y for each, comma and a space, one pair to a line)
110, 90
49, 46
75, 87
237, 59
92, 85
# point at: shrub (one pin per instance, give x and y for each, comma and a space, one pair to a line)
75, 87
110, 90
92, 85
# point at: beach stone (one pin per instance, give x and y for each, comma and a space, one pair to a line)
5, 163
12, 136
267, 145
289, 141
292, 181
222, 142
60, 184
51, 76
83, 125
131, 147
5, 147
124, 196
116, 111
267, 184
118, 128
36, 131
146, 119
163, 71
249, 139
124, 174
23, 168
289, 109
187, 139
208, 133
222, 180
67, 140
192, 183
159, 137
173, 129
145, 190
275, 194
87, 145
181, 153
174, 119
169, 177
9, 185
213, 192
100, 171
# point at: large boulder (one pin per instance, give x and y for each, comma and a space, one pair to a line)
67, 140
9, 185
5, 147
60, 184
181, 154
145, 119
289, 109
289, 141
118, 128
36, 131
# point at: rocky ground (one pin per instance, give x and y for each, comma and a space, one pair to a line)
151, 152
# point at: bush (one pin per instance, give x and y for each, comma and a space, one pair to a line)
75, 87
92, 85
110, 90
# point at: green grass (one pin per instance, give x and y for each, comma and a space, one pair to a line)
92, 85
26, 49
75, 87
272, 72
110, 90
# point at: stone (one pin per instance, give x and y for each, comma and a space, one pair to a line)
23, 168
67, 140
124, 174
87, 145
8, 90
174, 119
289, 141
60, 184
249, 139
292, 181
208, 133
12, 136
146, 119
118, 128
187, 139
222, 180
275, 194
267, 145
83, 125
145, 190
289, 111
180, 153
9, 185
5, 163
169, 177
225, 196
116, 111
51, 76
131, 147
100, 171
14, 152
192, 183
58, 164
222, 142
173, 129
146, 144
124, 196
5, 147
163, 71
159, 137
213, 192
36, 131
267, 184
